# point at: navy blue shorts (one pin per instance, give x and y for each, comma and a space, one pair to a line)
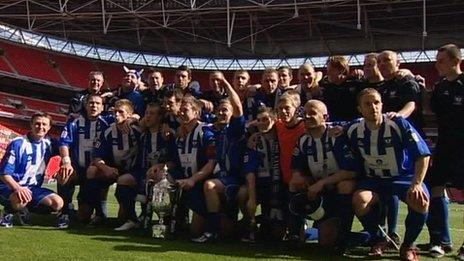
388, 187
231, 187
38, 194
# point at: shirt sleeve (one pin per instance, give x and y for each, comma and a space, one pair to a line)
209, 144
66, 138
412, 140
236, 129
10, 159
299, 161
251, 162
344, 156
409, 91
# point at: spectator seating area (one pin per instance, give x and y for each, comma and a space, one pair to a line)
25, 106
72, 71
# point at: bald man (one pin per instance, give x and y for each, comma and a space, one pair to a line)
323, 167
400, 96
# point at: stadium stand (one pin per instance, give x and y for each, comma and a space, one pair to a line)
4, 66
26, 106
74, 70
31, 62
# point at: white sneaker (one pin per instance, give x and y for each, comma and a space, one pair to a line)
127, 226
436, 251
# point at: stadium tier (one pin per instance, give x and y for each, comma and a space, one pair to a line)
73, 71
25, 106
32, 63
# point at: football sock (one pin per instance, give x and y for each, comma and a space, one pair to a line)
104, 208
66, 192
126, 197
414, 223
295, 221
213, 222
437, 221
392, 204
371, 220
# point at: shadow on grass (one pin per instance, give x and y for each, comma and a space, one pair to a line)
140, 241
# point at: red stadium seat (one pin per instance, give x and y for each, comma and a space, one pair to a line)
74, 70
113, 73
26, 106
4, 66
31, 62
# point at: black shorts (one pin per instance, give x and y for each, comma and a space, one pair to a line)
447, 167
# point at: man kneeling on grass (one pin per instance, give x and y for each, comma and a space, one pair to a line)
22, 171
115, 160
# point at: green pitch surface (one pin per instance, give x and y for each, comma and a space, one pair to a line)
42, 241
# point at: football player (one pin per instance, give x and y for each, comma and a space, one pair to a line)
323, 167
395, 160
22, 172
447, 103
116, 160
77, 144
230, 140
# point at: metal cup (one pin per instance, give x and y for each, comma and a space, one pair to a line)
161, 205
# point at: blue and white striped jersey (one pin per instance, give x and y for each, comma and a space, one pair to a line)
390, 151
25, 160
264, 159
81, 135
323, 156
230, 148
119, 149
155, 149
195, 149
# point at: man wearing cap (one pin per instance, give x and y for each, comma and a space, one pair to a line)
130, 89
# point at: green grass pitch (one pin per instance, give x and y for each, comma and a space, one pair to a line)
42, 241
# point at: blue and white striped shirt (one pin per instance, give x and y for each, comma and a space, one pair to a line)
26, 160
81, 135
391, 150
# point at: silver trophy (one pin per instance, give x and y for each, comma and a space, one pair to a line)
161, 204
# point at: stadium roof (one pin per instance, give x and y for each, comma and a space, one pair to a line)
244, 28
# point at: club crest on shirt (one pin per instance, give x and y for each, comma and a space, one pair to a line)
96, 143
392, 94
388, 140
296, 151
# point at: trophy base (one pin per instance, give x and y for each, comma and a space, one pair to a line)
159, 231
